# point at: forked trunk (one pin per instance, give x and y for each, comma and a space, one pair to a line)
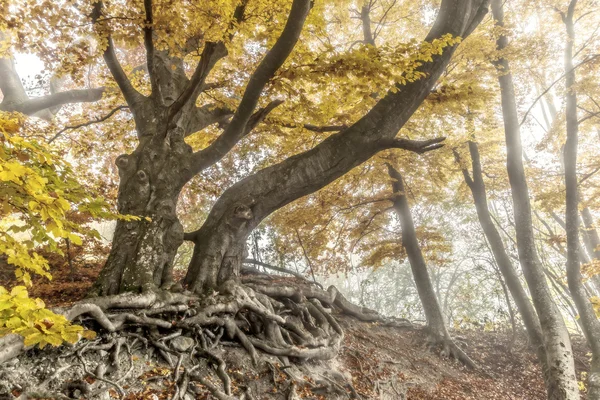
219, 242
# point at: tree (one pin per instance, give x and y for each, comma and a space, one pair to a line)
561, 380
436, 325
590, 323
154, 173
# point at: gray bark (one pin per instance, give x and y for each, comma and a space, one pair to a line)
152, 177
591, 239
561, 381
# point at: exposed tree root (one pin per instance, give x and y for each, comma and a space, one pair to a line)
292, 323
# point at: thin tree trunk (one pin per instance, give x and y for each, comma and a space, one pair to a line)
433, 312
530, 318
590, 234
561, 381
436, 324
589, 321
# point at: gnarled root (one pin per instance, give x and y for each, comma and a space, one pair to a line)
289, 323
448, 348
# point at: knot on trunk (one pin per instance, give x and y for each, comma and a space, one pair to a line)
142, 176
242, 212
122, 161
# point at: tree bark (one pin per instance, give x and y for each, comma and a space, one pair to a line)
561, 382
589, 322
242, 207
518, 293
591, 239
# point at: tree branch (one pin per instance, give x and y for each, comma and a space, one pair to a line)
95, 121
216, 150
590, 58
37, 104
148, 43
465, 171
279, 269
202, 117
212, 53
272, 61
416, 146
319, 128
131, 95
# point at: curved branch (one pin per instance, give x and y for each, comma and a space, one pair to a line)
215, 151
131, 95
278, 185
272, 61
416, 146
95, 121
37, 104
212, 53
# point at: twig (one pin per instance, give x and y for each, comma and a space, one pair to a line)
95, 121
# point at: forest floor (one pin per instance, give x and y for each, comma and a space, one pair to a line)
381, 362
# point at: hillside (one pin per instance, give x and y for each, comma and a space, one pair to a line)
381, 362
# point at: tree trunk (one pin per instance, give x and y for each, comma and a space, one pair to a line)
530, 318
436, 324
589, 322
433, 313
562, 382
141, 257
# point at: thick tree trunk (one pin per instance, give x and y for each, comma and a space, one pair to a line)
530, 318
220, 241
589, 322
142, 253
562, 382
433, 312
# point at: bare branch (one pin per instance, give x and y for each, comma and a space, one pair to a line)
465, 171
36, 104
131, 95
95, 121
148, 43
416, 146
212, 53
554, 83
278, 269
319, 128
213, 153
202, 117
365, 17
